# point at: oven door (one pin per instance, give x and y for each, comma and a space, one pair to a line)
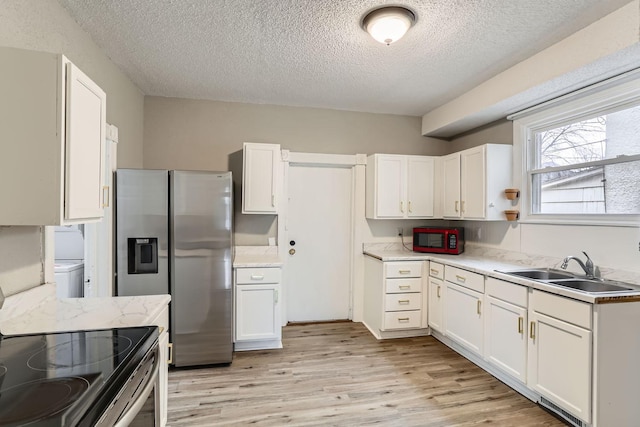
135, 405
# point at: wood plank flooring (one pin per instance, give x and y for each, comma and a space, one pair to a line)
338, 374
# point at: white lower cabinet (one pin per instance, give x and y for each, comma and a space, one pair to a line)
394, 300
560, 352
163, 379
505, 344
436, 304
257, 309
463, 319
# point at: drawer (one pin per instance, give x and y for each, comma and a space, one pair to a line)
394, 286
398, 302
566, 309
464, 278
403, 269
436, 270
506, 291
402, 319
248, 276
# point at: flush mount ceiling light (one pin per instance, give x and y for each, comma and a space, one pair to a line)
388, 24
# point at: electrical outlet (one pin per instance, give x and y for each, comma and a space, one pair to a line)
399, 231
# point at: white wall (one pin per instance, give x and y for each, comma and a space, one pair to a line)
44, 25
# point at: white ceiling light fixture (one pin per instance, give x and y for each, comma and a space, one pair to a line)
388, 24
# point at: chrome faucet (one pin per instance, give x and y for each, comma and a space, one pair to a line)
588, 267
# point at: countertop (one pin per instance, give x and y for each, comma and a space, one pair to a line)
486, 265
256, 256
38, 310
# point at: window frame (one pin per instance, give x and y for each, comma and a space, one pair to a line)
613, 95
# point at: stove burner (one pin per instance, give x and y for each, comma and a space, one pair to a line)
76, 352
53, 396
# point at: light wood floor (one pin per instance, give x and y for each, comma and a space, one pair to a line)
338, 374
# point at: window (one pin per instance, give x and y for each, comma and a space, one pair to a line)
581, 158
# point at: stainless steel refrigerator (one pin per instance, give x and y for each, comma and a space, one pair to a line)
174, 235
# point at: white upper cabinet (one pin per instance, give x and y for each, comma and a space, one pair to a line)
474, 181
53, 124
399, 186
260, 178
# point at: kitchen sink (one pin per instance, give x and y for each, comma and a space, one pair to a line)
540, 274
586, 285
570, 280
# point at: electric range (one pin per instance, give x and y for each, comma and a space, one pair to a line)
68, 378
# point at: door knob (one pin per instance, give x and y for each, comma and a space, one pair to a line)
292, 251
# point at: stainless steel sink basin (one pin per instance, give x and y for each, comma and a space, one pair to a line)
570, 280
540, 274
592, 285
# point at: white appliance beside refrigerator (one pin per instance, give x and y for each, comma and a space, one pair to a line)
174, 235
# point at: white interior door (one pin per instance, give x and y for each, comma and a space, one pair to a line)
319, 235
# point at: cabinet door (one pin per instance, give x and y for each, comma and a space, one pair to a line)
257, 312
559, 366
390, 186
85, 130
420, 186
505, 337
260, 178
162, 386
463, 320
436, 304
473, 183
451, 186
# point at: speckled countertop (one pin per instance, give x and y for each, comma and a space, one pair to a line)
256, 256
39, 310
487, 261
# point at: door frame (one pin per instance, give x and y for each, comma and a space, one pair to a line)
357, 163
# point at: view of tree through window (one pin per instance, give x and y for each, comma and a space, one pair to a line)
564, 178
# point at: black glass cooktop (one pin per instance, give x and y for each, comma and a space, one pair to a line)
63, 379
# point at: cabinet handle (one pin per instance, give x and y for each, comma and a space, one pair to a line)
257, 277
478, 308
170, 359
275, 297
401, 206
532, 330
105, 196
273, 200
438, 292
461, 278
404, 287
403, 319
404, 271
409, 206
403, 301
462, 206
456, 206
434, 272
520, 324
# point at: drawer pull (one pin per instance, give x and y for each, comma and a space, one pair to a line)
520, 324
438, 292
257, 277
404, 287
434, 272
478, 308
532, 330
461, 278
403, 301
170, 359
403, 319
404, 271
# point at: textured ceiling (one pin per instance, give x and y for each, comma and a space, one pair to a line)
314, 53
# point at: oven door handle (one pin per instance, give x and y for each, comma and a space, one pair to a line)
133, 410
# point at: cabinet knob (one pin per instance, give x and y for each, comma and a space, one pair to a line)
292, 251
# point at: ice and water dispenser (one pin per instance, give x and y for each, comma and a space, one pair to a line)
142, 255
